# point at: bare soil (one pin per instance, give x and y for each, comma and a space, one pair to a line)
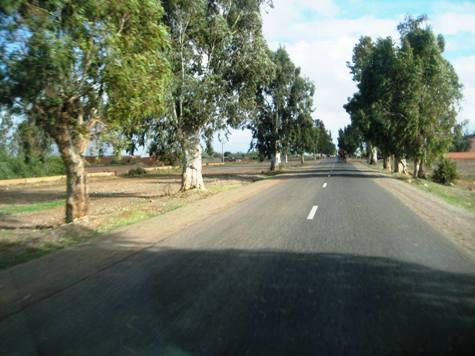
114, 202
457, 224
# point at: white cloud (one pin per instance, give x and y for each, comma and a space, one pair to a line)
322, 47
321, 44
465, 68
453, 23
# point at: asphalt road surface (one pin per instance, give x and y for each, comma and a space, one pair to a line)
326, 263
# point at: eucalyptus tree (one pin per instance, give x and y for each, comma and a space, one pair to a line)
33, 142
272, 125
357, 106
407, 97
327, 145
373, 69
461, 141
300, 108
435, 97
68, 65
349, 139
218, 57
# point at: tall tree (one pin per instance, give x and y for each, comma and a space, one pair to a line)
6, 127
218, 56
70, 64
435, 97
407, 96
349, 140
33, 142
461, 141
272, 125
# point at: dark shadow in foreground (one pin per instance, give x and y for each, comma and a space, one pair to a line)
237, 302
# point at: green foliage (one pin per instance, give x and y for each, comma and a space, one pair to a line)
445, 172
349, 140
33, 142
460, 141
218, 57
15, 167
407, 95
284, 122
6, 126
70, 64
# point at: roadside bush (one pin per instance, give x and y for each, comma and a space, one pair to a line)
15, 167
445, 172
135, 172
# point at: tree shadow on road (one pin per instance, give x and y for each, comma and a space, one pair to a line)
214, 302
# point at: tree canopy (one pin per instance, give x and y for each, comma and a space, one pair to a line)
408, 94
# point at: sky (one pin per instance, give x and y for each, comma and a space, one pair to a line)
320, 35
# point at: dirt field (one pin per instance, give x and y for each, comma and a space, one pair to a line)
31, 217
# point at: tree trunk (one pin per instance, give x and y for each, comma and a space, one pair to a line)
400, 165
77, 199
387, 163
275, 162
397, 165
403, 164
421, 173
373, 155
302, 158
416, 168
286, 158
192, 177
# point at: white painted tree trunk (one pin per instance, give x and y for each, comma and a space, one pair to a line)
192, 177
402, 166
373, 158
275, 162
286, 158
302, 158
416, 168
421, 173
388, 163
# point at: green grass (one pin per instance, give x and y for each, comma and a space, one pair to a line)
30, 208
454, 195
125, 219
16, 252
13, 252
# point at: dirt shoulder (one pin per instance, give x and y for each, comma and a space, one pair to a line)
457, 224
25, 284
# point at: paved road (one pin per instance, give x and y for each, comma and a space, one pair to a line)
359, 275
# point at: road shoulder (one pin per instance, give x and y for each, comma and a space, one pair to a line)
456, 224
28, 283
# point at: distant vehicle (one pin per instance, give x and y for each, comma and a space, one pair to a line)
342, 155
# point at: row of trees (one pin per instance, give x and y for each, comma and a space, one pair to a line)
407, 98
162, 74
284, 122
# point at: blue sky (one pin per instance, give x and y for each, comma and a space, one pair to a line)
320, 35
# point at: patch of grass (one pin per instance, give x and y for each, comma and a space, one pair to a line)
457, 196
127, 218
21, 246
20, 250
30, 208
